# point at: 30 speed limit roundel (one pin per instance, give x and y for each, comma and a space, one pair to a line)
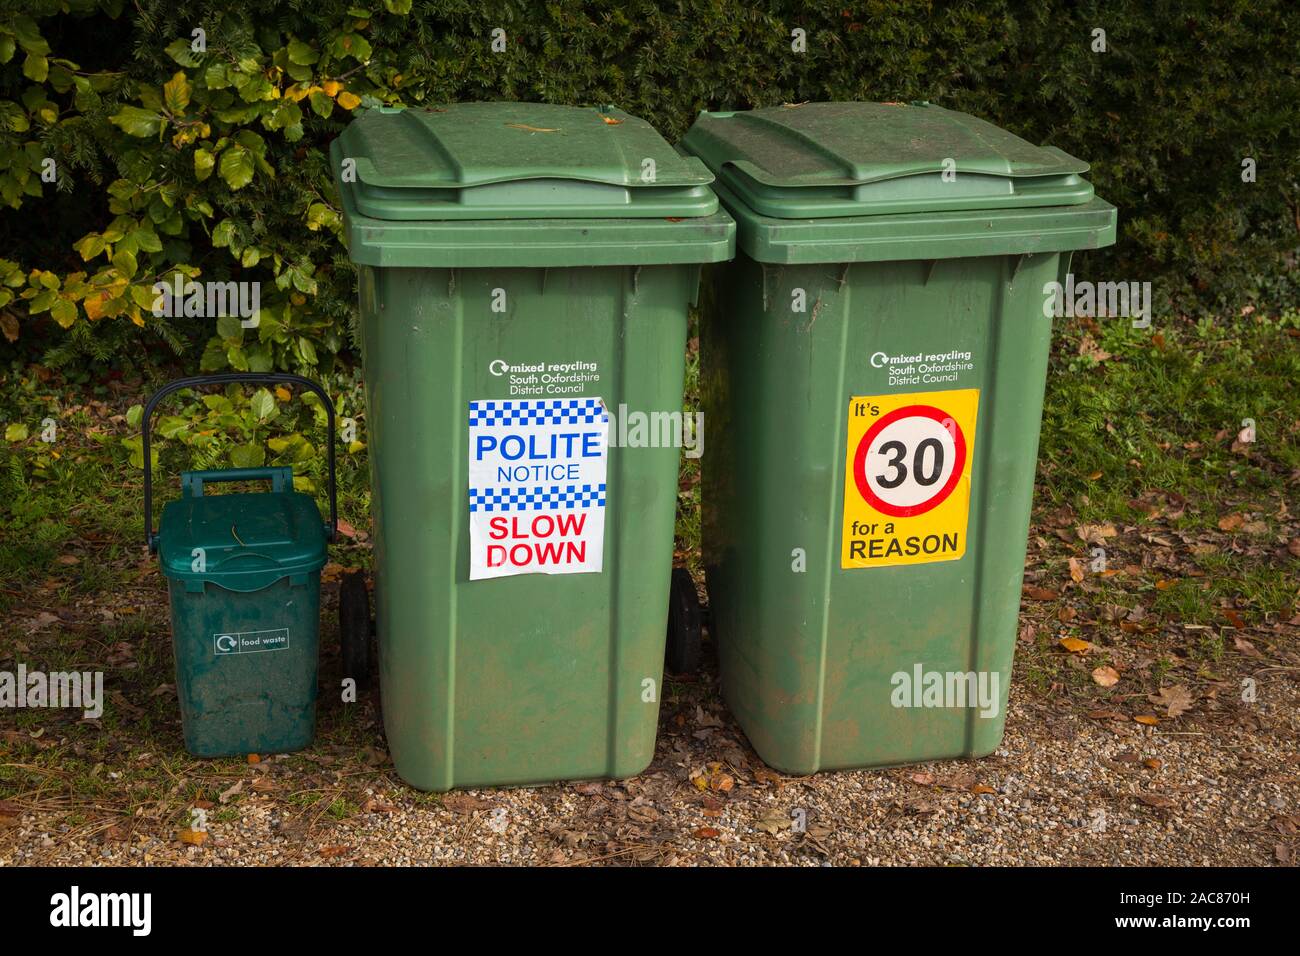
910, 460
907, 477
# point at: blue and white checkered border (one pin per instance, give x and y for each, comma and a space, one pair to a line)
537, 499
540, 411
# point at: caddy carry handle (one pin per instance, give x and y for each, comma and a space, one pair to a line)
238, 474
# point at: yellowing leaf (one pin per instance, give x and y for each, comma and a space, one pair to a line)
176, 93
94, 305
1074, 645
282, 393
349, 100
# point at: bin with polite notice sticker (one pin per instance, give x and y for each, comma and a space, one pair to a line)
243, 572
524, 274
872, 372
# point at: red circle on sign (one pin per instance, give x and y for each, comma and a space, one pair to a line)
860, 461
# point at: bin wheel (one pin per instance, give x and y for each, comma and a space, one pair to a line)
354, 626
683, 648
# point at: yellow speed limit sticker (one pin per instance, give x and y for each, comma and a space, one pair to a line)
907, 477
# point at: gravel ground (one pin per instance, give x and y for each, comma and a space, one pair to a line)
1068, 786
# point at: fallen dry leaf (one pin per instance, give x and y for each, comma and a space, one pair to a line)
1231, 522
1155, 800
231, 792
1106, 676
1076, 570
774, 821
707, 833
192, 837
1075, 645
1149, 720
1095, 533
1247, 648
1176, 700
764, 776
379, 805
464, 803
1040, 594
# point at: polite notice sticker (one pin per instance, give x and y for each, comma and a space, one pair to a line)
537, 486
907, 478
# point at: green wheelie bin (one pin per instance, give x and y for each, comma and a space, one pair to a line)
872, 374
524, 276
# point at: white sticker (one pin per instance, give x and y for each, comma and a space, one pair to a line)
250, 642
537, 486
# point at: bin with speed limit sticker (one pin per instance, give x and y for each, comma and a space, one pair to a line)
872, 373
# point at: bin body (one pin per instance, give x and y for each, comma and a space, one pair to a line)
245, 618
533, 676
833, 348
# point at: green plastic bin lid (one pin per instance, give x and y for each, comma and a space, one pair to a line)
859, 159
518, 161
249, 540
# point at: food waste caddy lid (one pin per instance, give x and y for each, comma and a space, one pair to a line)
248, 540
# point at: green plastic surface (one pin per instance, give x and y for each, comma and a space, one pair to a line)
249, 540
243, 574
809, 651
246, 665
536, 677
859, 159
935, 235
530, 241
518, 161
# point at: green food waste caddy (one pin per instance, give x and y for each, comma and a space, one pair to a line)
872, 374
243, 574
524, 276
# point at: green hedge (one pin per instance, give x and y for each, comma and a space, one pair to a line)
215, 163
